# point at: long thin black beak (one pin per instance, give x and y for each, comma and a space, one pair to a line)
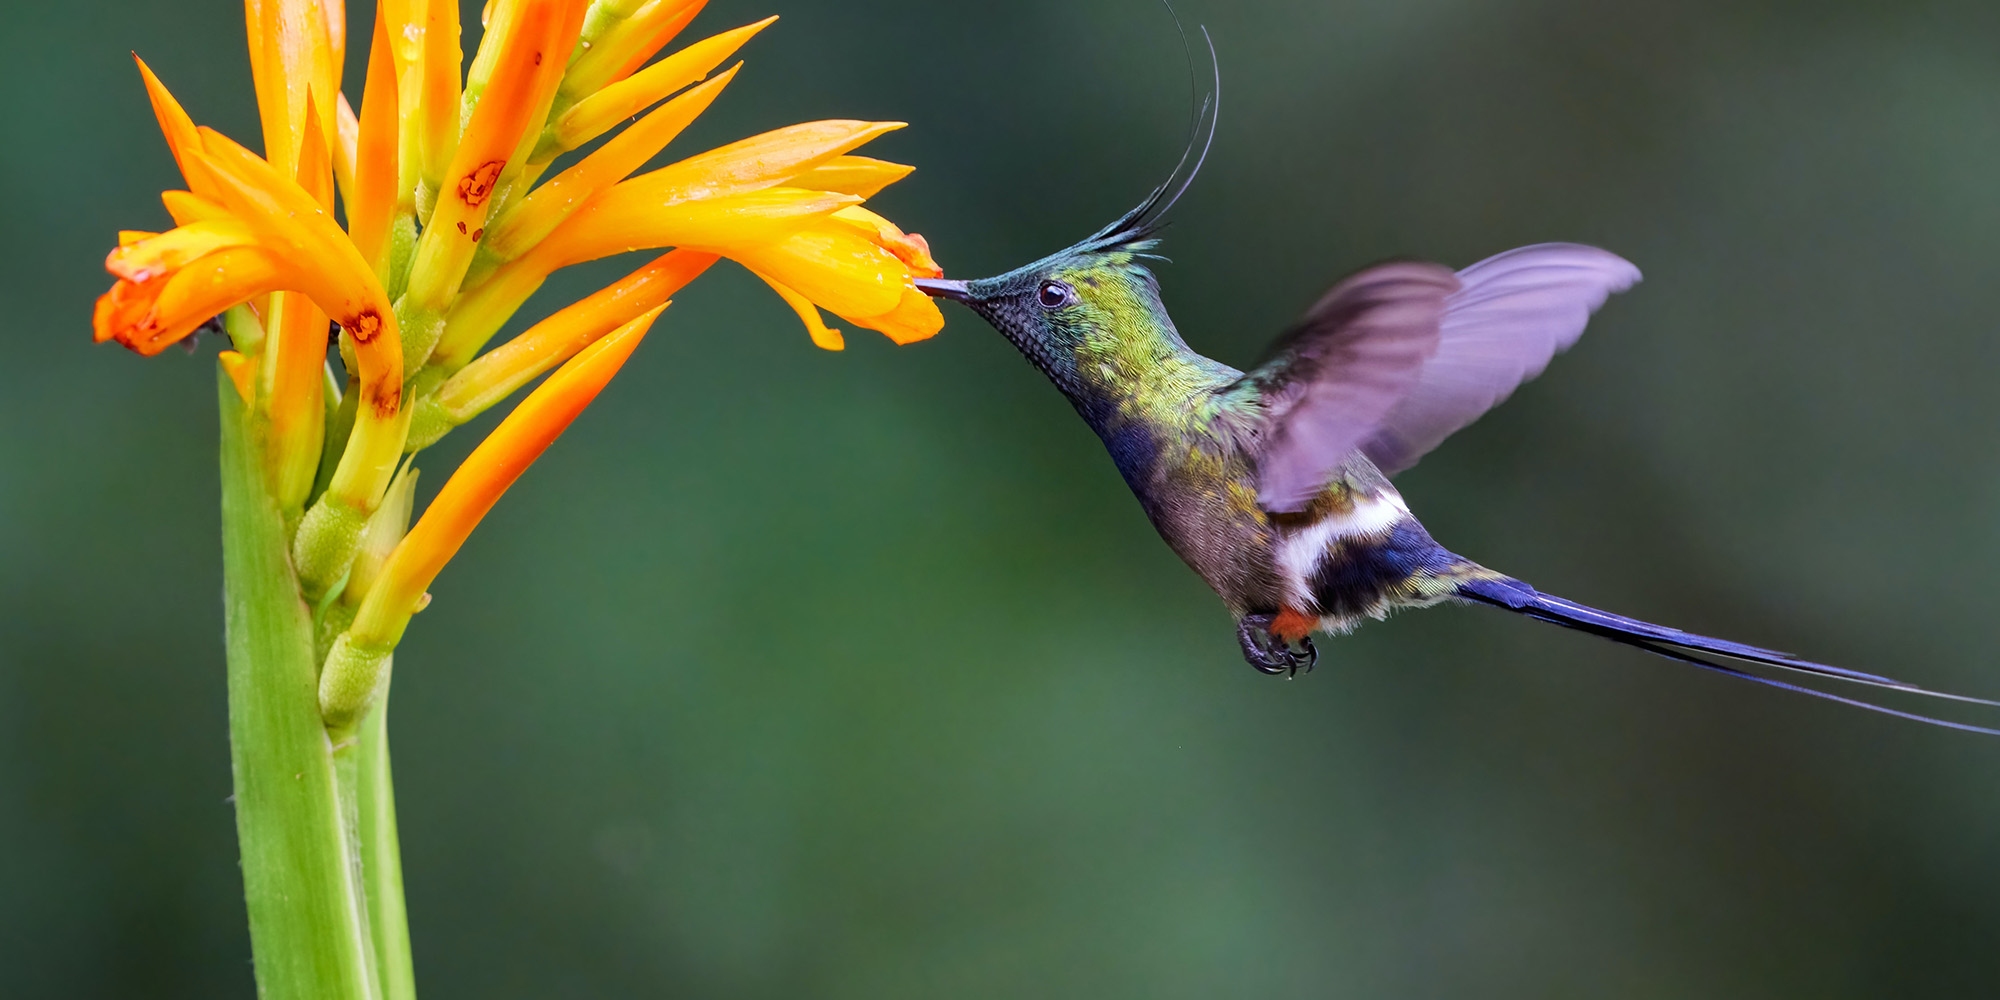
945, 288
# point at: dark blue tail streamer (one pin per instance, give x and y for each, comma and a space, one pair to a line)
1675, 644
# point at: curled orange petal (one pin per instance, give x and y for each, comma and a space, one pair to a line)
151, 315
910, 248
155, 254
320, 260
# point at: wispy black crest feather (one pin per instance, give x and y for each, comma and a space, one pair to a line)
1134, 231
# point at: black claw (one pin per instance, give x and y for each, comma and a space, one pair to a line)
1270, 655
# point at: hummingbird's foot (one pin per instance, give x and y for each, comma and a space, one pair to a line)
1270, 653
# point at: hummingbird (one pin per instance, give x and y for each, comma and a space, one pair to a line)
1275, 485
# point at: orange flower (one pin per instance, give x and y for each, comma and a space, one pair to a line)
359, 266
449, 218
858, 266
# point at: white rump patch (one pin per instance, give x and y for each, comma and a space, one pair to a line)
1300, 552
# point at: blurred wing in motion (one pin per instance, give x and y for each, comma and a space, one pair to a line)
1330, 382
1512, 313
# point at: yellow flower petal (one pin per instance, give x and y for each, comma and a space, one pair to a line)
436, 115
856, 175
617, 221
636, 219
913, 250
497, 373
291, 62
552, 202
372, 209
320, 261
858, 266
479, 483
295, 353
538, 39
314, 167
242, 373
834, 266
916, 317
597, 114
760, 161
295, 357
823, 336
347, 136
152, 315
188, 208
625, 43
155, 254
177, 127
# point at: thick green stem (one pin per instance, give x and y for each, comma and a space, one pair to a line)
308, 929
381, 858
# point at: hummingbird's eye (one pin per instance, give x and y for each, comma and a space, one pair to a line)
1055, 295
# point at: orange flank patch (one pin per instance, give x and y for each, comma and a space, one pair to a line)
1292, 625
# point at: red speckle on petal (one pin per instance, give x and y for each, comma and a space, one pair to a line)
386, 402
475, 187
363, 328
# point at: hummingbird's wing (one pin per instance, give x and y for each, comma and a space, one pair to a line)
1331, 381
1512, 313
1398, 356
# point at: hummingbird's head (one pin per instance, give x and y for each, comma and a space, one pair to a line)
1064, 308
1095, 296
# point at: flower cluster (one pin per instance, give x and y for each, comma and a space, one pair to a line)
457, 196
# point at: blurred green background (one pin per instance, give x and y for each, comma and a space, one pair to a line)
797, 674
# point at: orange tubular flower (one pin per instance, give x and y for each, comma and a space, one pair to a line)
447, 216
734, 202
438, 89
372, 208
399, 239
